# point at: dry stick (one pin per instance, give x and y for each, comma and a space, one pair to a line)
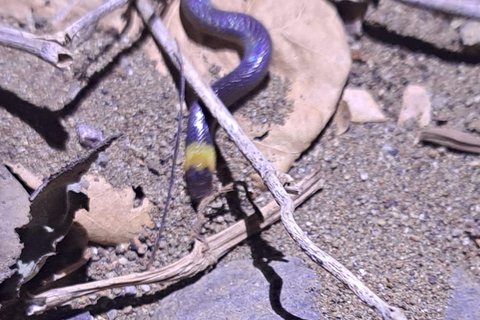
266, 170
51, 47
204, 255
464, 8
46, 50
451, 138
181, 98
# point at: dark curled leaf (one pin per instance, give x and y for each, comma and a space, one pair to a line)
52, 209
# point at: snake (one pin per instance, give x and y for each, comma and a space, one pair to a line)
256, 44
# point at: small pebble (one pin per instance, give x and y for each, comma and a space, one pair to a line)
142, 249
89, 136
112, 314
414, 238
381, 222
128, 309
121, 248
432, 153
131, 290
432, 279
131, 255
363, 176
123, 261
145, 287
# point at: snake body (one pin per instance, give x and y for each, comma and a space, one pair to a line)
251, 35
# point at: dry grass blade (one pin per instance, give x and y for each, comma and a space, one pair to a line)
451, 138
204, 254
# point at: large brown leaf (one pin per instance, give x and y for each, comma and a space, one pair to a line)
310, 51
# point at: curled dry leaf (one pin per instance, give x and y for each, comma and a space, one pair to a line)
112, 218
52, 208
14, 213
362, 106
310, 51
415, 104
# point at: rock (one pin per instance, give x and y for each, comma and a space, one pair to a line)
130, 291
239, 290
415, 105
88, 136
463, 303
470, 34
112, 314
363, 108
81, 316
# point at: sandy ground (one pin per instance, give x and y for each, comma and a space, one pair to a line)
392, 210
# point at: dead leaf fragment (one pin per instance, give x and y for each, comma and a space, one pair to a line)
52, 208
112, 219
311, 53
342, 118
14, 213
27, 177
415, 104
362, 106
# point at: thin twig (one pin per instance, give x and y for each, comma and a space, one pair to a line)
52, 47
266, 170
204, 255
451, 138
464, 8
46, 50
181, 99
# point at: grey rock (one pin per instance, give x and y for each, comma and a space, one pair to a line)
81, 316
112, 314
470, 34
239, 290
89, 136
463, 304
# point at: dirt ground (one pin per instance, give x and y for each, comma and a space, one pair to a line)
393, 210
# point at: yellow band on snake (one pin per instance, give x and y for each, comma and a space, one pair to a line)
200, 155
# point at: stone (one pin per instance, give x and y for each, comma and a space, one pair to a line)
463, 303
470, 34
239, 290
363, 108
416, 105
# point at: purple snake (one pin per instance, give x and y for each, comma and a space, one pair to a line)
255, 41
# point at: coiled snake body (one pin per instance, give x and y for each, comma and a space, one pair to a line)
251, 35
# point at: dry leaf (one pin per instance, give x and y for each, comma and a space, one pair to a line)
362, 106
310, 51
28, 178
112, 219
342, 118
415, 104
52, 209
14, 213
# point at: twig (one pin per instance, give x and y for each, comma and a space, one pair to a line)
66, 36
181, 99
451, 138
266, 170
464, 8
47, 50
204, 255
51, 47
